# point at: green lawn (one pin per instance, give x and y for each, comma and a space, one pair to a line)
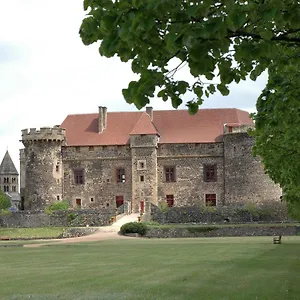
46, 232
166, 269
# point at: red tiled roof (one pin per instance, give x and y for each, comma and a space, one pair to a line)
144, 126
173, 126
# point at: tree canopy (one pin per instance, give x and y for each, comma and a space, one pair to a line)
220, 42
277, 128
4, 201
224, 41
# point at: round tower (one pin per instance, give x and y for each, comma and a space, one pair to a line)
245, 179
42, 162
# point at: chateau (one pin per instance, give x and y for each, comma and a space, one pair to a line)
135, 159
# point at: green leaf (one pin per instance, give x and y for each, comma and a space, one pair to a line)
193, 108
223, 89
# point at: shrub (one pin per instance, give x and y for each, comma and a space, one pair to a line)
163, 206
151, 223
5, 212
4, 201
71, 217
134, 227
57, 205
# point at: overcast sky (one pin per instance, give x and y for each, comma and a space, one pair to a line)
47, 73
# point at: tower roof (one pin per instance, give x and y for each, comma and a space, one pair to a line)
144, 126
7, 166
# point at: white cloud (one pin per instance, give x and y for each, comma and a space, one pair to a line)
47, 73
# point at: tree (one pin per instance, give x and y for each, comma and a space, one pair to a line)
4, 201
220, 42
277, 128
224, 41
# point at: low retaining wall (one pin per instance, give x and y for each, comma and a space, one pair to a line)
273, 212
79, 218
223, 231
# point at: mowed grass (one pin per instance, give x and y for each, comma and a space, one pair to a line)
204, 268
43, 232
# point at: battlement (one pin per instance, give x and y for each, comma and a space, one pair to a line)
236, 128
43, 134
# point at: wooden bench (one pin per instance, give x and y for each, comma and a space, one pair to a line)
277, 239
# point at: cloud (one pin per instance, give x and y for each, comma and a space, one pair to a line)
47, 73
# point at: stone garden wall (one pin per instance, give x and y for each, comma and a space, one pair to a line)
273, 212
212, 231
77, 218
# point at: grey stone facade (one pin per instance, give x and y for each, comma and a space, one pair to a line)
49, 166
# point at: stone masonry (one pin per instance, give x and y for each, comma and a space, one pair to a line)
141, 169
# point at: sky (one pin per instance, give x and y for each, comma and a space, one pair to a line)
47, 73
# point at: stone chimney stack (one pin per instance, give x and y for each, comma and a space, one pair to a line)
102, 119
149, 111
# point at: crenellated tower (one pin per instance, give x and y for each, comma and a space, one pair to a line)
42, 161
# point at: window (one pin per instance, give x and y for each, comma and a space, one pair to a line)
13, 180
14, 188
78, 177
210, 173
6, 188
170, 200
91, 148
170, 174
119, 201
78, 203
141, 165
6, 180
92, 199
211, 200
142, 178
120, 175
77, 148
57, 168
57, 198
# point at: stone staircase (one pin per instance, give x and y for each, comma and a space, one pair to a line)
115, 227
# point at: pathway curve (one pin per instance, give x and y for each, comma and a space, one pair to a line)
104, 233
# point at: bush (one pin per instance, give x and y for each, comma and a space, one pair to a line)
4, 201
71, 217
57, 205
134, 227
163, 206
5, 212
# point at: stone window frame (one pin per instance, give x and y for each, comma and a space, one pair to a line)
120, 175
211, 199
170, 200
170, 173
210, 172
142, 178
92, 199
141, 164
79, 177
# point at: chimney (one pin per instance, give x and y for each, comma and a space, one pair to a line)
102, 119
149, 111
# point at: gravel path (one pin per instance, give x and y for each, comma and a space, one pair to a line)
104, 233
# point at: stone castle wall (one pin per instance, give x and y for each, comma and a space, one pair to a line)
50, 166
245, 179
189, 160
100, 164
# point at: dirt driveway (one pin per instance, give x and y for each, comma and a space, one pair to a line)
104, 233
